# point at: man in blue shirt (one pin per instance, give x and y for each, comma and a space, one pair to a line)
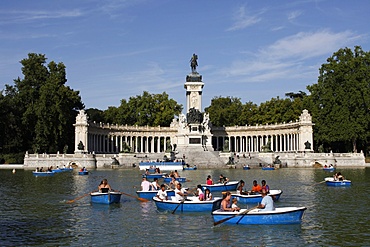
267, 204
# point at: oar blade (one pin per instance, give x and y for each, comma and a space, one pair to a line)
223, 220
140, 199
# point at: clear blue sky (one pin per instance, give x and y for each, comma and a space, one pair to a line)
112, 49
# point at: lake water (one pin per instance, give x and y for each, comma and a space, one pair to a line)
34, 212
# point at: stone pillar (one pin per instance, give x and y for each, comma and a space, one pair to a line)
305, 132
194, 87
81, 131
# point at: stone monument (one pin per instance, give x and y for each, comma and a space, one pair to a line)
194, 126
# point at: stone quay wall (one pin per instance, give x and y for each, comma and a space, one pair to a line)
106, 161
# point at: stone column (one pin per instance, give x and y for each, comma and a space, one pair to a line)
81, 131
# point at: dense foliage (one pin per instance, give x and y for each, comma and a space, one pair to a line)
340, 101
38, 110
147, 109
229, 111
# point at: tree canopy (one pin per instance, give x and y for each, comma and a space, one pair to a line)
341, 99
146, 109
40, 108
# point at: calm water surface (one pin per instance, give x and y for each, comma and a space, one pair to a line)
34, 212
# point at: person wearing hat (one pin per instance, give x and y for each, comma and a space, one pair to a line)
267, 204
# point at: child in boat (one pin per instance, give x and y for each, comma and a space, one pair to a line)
200, 193
207, 195
240, 189
234, 204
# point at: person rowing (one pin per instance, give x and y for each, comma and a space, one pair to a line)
104, 187
223, 179
267, 204
180, 193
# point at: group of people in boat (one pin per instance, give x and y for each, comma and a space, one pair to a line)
330, 166
222, 180
256, 188
228, 204
148, 186
338, 176
83, 169
49, 169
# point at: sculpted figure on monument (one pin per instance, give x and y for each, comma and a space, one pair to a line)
194, 116
307, 145
194, 63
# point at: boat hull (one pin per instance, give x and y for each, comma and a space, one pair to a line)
268, 168
252, 199
193, 205
153, 193
229, 186
153, 176
163, 166
105, 198
180, 179
83, 173
336, 183
246, 168
43, 174
280, 216
331, 169
58, 170
190, 168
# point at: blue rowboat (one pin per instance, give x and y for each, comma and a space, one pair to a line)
192, 204
246, 168
190, 168
246, 199
169, 179
329, 169
105, 198
331, 182
152, 193
283, 216
229, 186
57, 170
268, 168
43, 174
66, 169
83, 173
154, 175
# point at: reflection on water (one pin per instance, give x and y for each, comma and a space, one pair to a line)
33, 211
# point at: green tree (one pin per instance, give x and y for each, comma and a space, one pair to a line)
146, 109
341, 99
225, 111
279, 110
47, 108
95, 115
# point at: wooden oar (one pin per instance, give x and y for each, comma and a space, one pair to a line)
182, 202
319, 183
78, 198
226, 219
140, 199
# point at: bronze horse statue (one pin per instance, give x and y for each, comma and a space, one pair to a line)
194, 63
